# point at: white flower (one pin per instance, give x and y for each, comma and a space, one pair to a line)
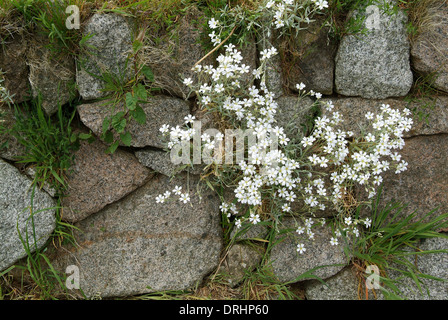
300, 86
184, 198
238, 223
348, 220
367, 222
177, 190
270, 4
160, 199
301, 248
165, 128
321, 4
300, 230
254, 218
334, 241
188, 82
369, 115
189, 119
206, 100
212, 23
224, 207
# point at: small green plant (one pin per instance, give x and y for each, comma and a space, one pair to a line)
49, 143
47, 281
127, 98
392, 240
49, 17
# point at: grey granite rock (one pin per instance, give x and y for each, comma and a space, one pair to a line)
320, 255
13, 65
109, 47
311, 60
160, 161
375, 65
347, 284
15, 216
430, 49
342, 286
239, 259
292, 114
159, 110
97, 179
432, 264
137, 245
424, 185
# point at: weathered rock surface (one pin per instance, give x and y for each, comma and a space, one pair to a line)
434, 118
160, 161
342, 286
346, 285
159, 110
288, 264
376, 65
98, 179
433, 264
424, 185
429, 51
292, 113
52, 75
13, 148
171, 60
15, 216
13, 65
110, 44
312, 60
137, 245
249, 231
239, 259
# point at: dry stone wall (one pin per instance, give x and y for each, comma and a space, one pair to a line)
128, 243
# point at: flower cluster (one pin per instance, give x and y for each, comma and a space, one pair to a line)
183, 197
364, 160
289, 12
331, 163
282, 15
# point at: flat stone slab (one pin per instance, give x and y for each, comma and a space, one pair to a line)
159, 110
15, 210
342, 286
172, 57
424, 185
98, 179
137, 245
